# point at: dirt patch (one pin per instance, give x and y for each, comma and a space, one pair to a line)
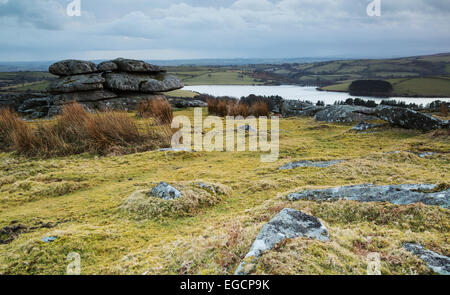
11, 232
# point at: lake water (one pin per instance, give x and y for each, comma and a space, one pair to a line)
294, 93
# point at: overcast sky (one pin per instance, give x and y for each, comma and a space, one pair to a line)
185, 29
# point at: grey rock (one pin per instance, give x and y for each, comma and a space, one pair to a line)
438, 263
408, 118
165, 192
35, 108
107, 66
142, 83
247, 128
83, 96
288, 224
344, 114
15, 100
206, 187
34, 103
186, 103
295, 108
136, 66
162, 83
127, 101
362, 126
77, 83
427, 154
318, 164
396, 194
72, 67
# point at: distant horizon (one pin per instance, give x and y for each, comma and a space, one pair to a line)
237, 58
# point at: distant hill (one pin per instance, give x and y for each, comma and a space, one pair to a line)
43, 65
338, 71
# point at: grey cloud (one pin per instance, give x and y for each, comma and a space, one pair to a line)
232, 28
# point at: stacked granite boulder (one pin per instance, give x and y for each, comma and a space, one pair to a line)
116, 84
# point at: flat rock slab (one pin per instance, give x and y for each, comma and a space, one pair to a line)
363, 126
142, 82
76, 83
176, 150
72, 67
319, 164
133, 66
186, 103
396, 194
165, 192
288, 224
408, 118
83, 96
438, 263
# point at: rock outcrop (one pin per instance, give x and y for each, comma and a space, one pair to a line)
396, 194
295, 108
179, 102
288, 224
15, 100
402, 117
438, 263
408, 118
115, 84
344, 114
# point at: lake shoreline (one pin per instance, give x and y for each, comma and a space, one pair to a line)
294, 92
394, 95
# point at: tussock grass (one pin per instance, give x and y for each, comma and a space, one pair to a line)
13, 130
158, 109
230, 107
76, 131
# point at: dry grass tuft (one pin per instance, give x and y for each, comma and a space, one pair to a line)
229, 107
76, 131
11, 128
158, 109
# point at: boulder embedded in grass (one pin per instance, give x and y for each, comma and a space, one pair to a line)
288, 224
405, 194
438, 263
165, 192
144, 205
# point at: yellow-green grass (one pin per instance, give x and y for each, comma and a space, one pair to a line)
33, 86
427, 87
110, 241
221, 78
182, 93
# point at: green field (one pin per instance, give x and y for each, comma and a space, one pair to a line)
419, 87
218, 77
340, 71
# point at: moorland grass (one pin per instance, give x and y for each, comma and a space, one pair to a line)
214, 239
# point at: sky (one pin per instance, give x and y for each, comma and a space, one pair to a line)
42, 30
